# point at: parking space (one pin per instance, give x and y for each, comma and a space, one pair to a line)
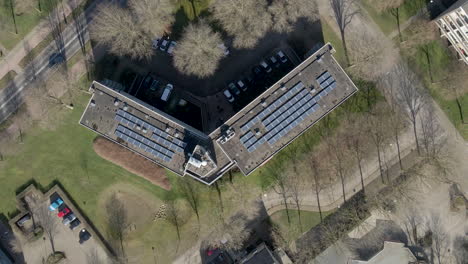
56, 214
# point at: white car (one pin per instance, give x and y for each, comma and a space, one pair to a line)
167, 92
265, 66
224, 49
171, 47
282, 57
229, 96
164, 45
241, 85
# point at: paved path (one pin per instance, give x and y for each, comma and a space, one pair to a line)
331, 197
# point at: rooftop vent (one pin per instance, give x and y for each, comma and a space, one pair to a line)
125, 108
283, 87
176, 134
146, 116
116, 102
93, 103
168, 129
144, 130
138, 127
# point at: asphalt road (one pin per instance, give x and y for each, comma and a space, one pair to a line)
11, 97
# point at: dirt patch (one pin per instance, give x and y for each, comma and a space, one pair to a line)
131, 162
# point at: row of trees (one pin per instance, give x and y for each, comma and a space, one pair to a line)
130, 31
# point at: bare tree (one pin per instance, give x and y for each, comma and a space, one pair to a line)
411, 221
154, 16
440, 239
393, 7
230, 235
338, 159
295, 184
176, 215
48, 223
281, 187
377, 131
197, 52
344, 11
314, 166
355, 142
191, 193
117, 28
431, 133
116, 218
286, 13
246, 20
410, 95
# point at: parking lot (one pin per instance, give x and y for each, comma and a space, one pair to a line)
50, 211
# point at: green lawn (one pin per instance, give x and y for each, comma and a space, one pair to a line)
330, 36
386, 21
308, 220
188, 10
6, 79
25, 22
440, 59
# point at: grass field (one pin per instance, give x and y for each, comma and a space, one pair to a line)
441, 59
386, 21
6, 79
330, 36
25, 22
308, 220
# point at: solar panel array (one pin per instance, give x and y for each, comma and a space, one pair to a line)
159, 135
287, 112
285, 97
143, 143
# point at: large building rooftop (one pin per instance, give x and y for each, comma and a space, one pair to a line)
248, 139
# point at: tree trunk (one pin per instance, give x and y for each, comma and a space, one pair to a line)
343, 40
318, 196
219, 196
52, 245
380, 163
460, 110
299, 214
397, 141
360, 173
285, 200
416, 135
12, 9
397, 11
342, 185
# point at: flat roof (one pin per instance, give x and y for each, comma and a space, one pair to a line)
248, 139
286, 110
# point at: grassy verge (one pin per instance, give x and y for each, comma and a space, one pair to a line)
6, 79
308, 220
441, 60
25, 22
386, 21
187, 11
330, 36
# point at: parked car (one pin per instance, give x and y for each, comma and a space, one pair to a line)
242, 85
68, 218
55, 204
233, 88
56, 58
167, 92
147, 81
282, 57
155, 44
84, 236
164, 44
265, 66
75, 223
171, 47
229, 96
224, 49
154, 85
257, 71
274, 61
63, 212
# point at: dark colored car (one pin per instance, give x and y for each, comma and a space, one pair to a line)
84, 236
75, 223
68, 218
56, 58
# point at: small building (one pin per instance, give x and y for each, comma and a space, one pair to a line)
453, 25
392, 252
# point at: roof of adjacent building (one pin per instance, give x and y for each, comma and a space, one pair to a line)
393, 252
261, 255
248, 139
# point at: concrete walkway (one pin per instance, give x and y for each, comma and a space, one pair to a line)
12, 58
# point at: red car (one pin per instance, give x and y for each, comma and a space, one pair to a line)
63, 212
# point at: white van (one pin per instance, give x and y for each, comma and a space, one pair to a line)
167, 92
